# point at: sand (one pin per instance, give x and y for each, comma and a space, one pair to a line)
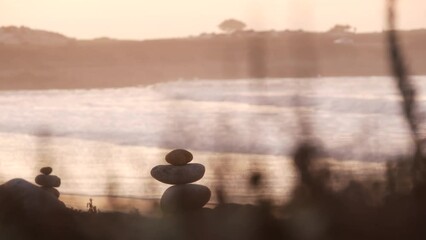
92, 169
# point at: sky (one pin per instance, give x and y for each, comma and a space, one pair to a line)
143, 19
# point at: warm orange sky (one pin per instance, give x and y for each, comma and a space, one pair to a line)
140, 19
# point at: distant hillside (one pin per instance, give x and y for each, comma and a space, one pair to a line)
23, 35
68, 63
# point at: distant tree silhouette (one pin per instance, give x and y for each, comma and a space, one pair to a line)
232, 25
340, 29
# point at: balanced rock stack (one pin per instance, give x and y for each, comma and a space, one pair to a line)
183, 195
48, 182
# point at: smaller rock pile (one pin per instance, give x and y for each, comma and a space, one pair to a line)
183, 195
48, 182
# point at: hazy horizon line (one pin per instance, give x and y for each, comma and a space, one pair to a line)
198, 34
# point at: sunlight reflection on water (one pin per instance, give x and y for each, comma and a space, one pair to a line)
110, 139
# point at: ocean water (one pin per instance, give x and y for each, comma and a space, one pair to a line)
104, 141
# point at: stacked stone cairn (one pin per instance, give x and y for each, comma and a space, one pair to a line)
183, 196
48, 182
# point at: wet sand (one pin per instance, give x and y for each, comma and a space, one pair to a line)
91, 169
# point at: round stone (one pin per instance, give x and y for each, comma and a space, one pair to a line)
29, 199
48, 180
186, 197
170, 174
46, 170
179, 157
52, 191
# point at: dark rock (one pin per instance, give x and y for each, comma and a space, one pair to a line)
179, 157
52, 191
48, 180
178, 174
46, 170
30, 197
186, 197
29, 212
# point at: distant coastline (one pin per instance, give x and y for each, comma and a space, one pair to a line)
106, 63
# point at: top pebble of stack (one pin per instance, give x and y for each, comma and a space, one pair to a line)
46, 170
179, 157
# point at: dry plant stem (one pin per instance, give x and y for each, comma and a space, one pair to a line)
408, 93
